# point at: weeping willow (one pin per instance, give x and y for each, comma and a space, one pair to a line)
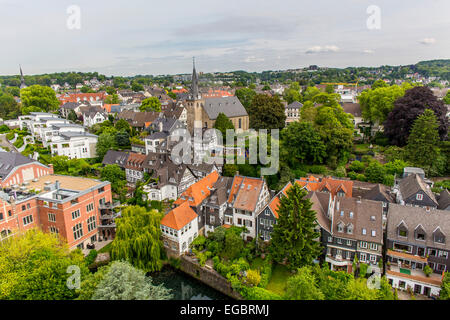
138, 239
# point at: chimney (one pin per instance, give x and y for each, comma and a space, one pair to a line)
51, 168
358, 199
56, 185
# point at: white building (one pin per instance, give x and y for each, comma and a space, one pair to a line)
74, 145
47, 134
93, 118
179, 228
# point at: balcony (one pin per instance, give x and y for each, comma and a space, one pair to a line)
105, 226
109, 205
406, 256
414, 274
110, 216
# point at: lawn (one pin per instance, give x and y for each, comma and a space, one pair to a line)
277, 283
257, 263
106, 248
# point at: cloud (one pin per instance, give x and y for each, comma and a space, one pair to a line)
320, 49
253, 59
368, 51
428, 41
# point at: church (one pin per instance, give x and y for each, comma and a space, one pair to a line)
203, 112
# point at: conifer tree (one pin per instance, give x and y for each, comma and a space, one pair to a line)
294, 237
423, 142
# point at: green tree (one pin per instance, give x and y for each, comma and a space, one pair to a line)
292, 93
294, 236
124, 282
266, 112
106, 141
9, 109
114, 174
72, 116
151, 104
38, 96
223, 123
136, 86
245, 96
112, 99
302, 286
233, 244
423, 142
138, 238
379, 84
375, 172
34, 266
379, 101
301, 143
447, 97
445, 287
90, 283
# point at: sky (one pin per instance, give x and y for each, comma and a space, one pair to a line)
117, 37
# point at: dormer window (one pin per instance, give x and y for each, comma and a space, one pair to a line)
350, 229
419, 197
402, 230
438, 236
419, 233
340, 227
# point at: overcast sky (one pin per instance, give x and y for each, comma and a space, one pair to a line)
118, 37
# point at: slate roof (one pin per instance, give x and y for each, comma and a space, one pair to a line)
70, 105
444, 200
413, 184
362, 212
378, 193
415, 216
230, 106
11, 160
116, 157
352, 108
294, 105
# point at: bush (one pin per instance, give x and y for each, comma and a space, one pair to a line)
4, 128
318, 169
10, 136
357, 166
253, 277
90, 258
352, 175
363, 270
427, 270
361, 177
258, 293
340, 172
199, 243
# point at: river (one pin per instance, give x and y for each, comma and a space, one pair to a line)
184, 287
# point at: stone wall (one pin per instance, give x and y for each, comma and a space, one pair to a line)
208, 276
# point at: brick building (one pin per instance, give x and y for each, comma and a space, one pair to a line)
69, 206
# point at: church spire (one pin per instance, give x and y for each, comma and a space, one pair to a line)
22, 79
194, 86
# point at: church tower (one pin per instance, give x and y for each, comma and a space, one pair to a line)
194, 104
22, 79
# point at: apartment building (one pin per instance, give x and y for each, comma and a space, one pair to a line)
74, 145
417, 237
69, 206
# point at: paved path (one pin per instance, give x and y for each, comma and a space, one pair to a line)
5, 143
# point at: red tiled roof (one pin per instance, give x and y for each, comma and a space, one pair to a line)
245, 192
333, 185
199, 191
179, 217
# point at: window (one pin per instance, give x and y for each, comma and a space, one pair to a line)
1, 215
330, 239
419, 196
362, 257
363, 244
350, 229
373, 258
77, 231
364, 231
349, 242
351, 215
90, 207
91, 223
443, 254
76, 214
339, 240
54, 229
373, 246
212, 220
240, 123
23, 208
374, 233
52, 217
340, 227
402, 233
27, 220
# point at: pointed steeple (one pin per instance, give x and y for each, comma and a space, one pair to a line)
194, 87
22, 79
